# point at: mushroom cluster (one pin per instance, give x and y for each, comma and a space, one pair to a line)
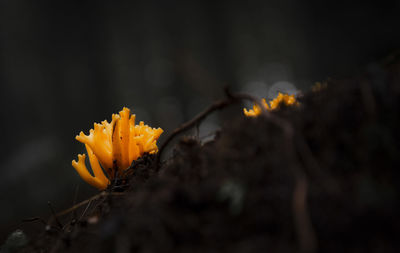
113, 146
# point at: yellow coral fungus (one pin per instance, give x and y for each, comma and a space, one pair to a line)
114, 146
256, 109
273, 104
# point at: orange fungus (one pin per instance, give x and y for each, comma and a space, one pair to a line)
113, 146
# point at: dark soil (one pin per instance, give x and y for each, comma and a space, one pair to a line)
331, 186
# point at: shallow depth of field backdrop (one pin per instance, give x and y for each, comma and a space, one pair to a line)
67, 64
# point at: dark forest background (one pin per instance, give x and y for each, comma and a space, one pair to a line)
67, 64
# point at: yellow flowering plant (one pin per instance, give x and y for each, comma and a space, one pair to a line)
273, 104
113, 146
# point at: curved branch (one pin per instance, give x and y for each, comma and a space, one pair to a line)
218, 105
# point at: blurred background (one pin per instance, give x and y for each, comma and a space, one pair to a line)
67, 64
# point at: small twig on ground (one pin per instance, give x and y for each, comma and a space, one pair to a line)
84, 211
74, 214
311, 163
54, 215
305, 233
102, 194
34, 219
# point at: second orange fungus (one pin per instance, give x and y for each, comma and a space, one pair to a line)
274, 104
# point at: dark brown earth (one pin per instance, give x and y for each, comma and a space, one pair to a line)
330, 185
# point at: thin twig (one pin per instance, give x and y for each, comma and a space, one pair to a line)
84, 211
102, 194
54, 215
34, 219
218, 105
305, 233
312, 164
74, 214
